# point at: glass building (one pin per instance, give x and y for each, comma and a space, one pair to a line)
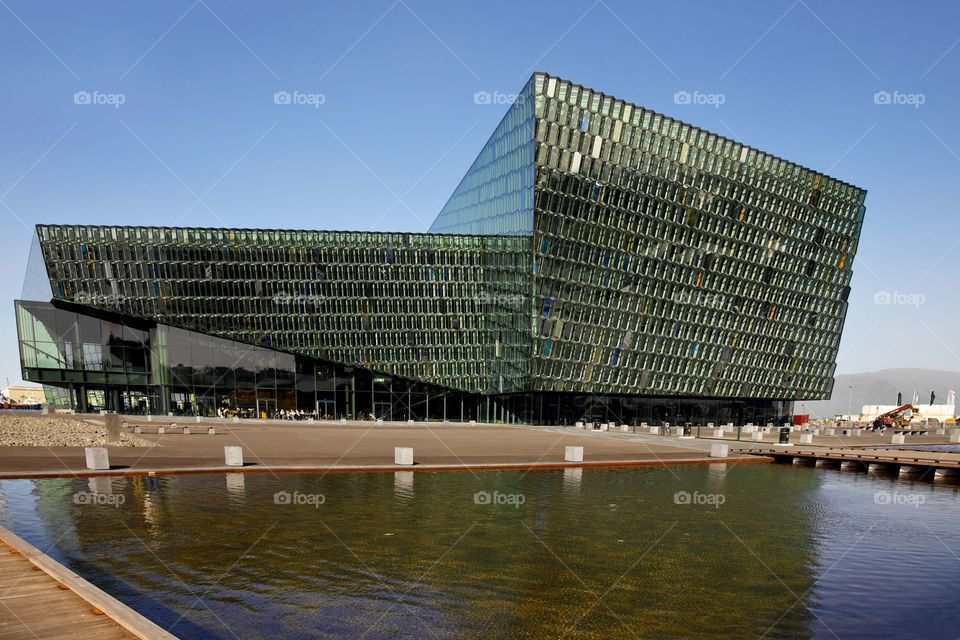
598, 261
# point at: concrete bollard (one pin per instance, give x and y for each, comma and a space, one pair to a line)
403, 455
757, 435
573, 454
625, 428
955, 435
806, 438
718, 433
199, 419
718, 450
211, 431
137, 429
856, 432
161, 430
97, 458
173, 425
653, 430
829, 432
186, 431
898, 438
233, 456
149, 418
579, 424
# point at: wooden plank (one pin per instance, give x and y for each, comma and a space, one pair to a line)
42, 599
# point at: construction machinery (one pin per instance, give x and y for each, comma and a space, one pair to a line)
898, 417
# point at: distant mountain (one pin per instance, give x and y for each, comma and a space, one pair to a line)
881, 387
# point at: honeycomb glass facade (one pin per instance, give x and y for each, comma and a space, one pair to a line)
597, 261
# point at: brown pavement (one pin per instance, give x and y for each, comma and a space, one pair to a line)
286, 445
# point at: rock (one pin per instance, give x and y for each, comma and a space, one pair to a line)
60, 431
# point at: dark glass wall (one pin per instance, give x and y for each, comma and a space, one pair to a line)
106, 363
670, 261
443, 309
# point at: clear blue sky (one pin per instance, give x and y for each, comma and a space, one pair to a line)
199, 141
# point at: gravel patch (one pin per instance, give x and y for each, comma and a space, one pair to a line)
59, 431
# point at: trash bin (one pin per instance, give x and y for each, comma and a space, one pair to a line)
784, 435
687, 430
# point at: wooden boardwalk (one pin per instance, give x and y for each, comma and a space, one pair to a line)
943, 463
41, 599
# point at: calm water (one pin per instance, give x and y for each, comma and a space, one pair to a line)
742, 551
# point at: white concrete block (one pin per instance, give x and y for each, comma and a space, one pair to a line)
955, 435
199, 419
898, 438
380, 420
186, 431
625, 428
211, 431
579, 424
149, 418
573, 454
236, 419
97, 458
756, 435
718, 450
806, 438
233, 456
718, 433
161, 430
403, 455
829, 432
137, 429
654, 430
